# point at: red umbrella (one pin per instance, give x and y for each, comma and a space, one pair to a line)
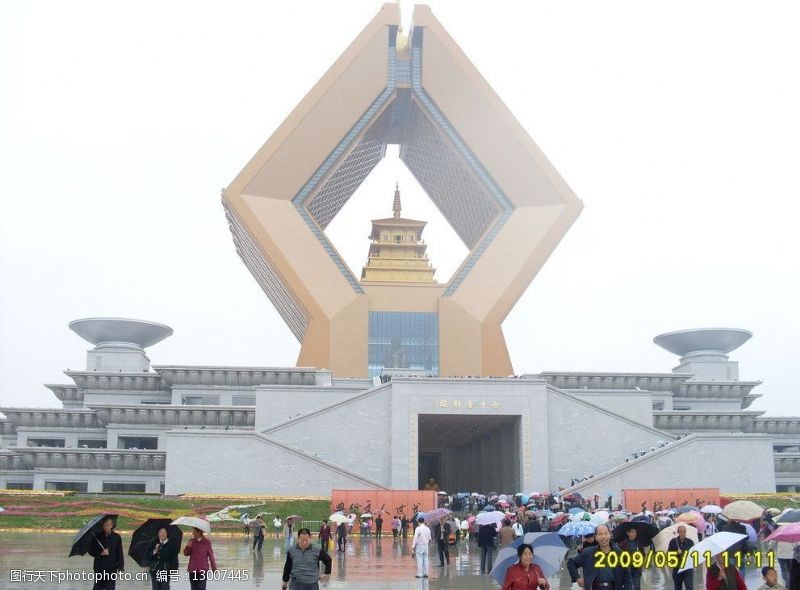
558, 519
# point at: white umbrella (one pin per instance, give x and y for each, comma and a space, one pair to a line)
338, 518
742, 510
493, 517
711, 509
366, 515
193, 521
714, 544
662, 539
2, 509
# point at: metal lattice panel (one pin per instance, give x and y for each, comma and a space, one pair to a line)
268, 278
441, 172
344, 181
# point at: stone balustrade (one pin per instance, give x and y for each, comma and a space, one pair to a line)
691, 421
7, 428
98, 459
715, 389
629, 381
97, 381
777, 425
242, 376
68, 394
234, 416
787, 462
52, 417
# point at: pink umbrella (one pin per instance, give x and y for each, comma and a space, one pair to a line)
788, 533
694, 518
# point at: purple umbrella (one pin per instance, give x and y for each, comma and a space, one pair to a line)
436, 514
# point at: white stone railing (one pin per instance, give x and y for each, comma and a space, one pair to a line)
787, 462
95, 380
242, 376
100, 459
67, 393
691, 421
713, 389
51, 417
236, 416
7, 427
777, 425
643, 381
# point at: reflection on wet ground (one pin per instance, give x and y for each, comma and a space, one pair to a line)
373, 564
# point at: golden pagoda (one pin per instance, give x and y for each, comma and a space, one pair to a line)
396, 251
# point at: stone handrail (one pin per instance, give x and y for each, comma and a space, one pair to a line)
787, 462
629, 381
7, 427
691, 421
241, 376
777, 425
715, 389
237, 416
51, 417
101, 459
99, 381
66, 393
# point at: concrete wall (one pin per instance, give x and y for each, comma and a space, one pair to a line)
353, 433
277, 405
222, 462
586, 439
735, 463
635, 405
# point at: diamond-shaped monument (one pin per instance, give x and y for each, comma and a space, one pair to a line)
477, 164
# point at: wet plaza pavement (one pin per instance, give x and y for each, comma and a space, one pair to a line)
373, 564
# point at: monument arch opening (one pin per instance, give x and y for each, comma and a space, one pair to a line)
470, 453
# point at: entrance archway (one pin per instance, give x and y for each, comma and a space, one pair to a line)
463, 453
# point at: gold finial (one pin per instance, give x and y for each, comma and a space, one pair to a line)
396, 205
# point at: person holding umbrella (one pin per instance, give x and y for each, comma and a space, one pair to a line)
678, 545
719, 577
525, 575
259, 530
599, 578
108, 556
163, 555
201, 559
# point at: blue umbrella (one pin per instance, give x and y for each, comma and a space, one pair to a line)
575, 510
577, 529
548, 553
488, 508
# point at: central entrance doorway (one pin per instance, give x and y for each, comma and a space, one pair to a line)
478, 453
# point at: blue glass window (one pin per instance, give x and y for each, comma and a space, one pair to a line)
403, 340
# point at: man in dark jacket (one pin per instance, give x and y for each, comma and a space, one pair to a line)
677, 546
441, 532
632, 544
106, 548
301, 571
487, 533
341, 537
599, 578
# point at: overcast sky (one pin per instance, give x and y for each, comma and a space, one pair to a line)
676, 123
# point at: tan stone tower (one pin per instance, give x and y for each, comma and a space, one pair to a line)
397, 252
474, 160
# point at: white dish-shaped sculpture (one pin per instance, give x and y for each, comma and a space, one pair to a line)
120, 332
703, 341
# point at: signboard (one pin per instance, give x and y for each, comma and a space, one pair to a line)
632, 498
391, 502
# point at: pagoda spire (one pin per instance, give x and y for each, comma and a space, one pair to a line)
396, 205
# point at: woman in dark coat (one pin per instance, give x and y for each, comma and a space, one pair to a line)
163, 555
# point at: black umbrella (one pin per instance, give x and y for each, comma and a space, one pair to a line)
145, 534
791, 516
90, 531
644, 532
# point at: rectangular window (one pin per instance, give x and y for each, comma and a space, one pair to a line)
120, 486
89, 443
67, 486
403, 340
46, 442
200, 400
137, 442
19, 485
244, 400
658, 405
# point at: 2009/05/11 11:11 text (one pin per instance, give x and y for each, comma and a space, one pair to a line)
676, 559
